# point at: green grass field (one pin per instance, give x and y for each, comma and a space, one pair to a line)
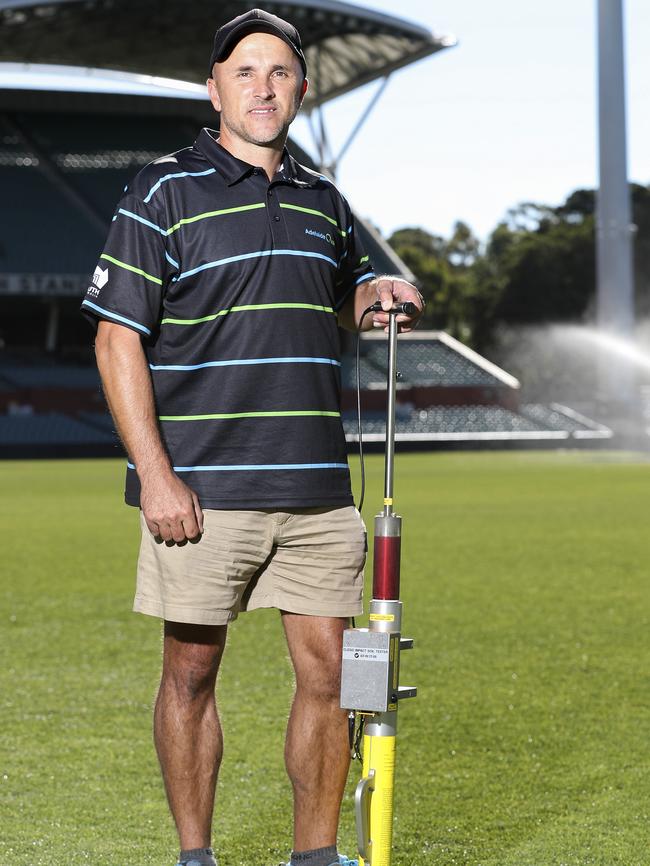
525, 585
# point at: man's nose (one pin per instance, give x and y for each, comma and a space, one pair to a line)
265, 89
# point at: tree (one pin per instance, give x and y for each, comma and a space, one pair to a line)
443, 272
538, 266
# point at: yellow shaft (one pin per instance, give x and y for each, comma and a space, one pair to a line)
379, 755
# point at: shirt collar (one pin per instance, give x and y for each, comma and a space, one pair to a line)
234, 170
296, 173
231, 168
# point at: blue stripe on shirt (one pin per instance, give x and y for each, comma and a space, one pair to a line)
178, 174
116, 317
256, 467
260, 254
244, 361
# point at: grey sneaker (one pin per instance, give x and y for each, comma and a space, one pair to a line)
190, 863
194, 862
342, 861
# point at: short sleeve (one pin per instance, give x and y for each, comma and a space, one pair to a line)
133, 270
355, 266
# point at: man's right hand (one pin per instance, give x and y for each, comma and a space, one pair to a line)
171, 509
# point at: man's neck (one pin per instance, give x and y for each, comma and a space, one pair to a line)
268, 158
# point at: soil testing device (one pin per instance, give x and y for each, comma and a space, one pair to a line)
370, 668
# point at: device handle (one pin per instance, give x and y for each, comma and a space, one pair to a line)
362, 814
408, 308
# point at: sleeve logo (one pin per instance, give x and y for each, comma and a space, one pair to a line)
100, 277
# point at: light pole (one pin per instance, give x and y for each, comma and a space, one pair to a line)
614, 229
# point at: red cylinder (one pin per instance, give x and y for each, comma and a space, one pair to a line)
385, 577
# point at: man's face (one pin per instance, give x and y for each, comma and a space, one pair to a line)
258, 90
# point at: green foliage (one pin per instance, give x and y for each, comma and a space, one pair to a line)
538, 266
545, 273
524, 582
443, 270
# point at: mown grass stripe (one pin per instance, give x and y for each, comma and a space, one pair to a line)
135, 270
522, 555
314, 213
212, 213
227, 416
246, 308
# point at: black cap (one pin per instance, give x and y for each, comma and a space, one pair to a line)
255, 21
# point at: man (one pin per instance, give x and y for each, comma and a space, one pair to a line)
225, 273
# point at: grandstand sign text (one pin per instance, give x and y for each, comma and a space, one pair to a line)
44, 285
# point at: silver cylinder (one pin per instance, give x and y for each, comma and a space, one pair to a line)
381, 725
388, 525
385, 615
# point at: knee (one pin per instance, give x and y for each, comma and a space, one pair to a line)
320, 680
191, 675
190, 683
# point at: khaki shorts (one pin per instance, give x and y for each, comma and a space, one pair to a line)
306, 561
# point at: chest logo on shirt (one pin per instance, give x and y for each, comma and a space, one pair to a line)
327, 238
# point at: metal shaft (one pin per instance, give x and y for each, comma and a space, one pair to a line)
390, 415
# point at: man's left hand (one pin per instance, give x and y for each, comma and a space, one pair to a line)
393, 290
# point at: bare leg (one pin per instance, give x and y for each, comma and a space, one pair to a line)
187, 732
317, 751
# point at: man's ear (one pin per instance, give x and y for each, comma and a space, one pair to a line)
213, 93
305, 88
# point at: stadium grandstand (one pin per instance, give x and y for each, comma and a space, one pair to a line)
449, 394
83, 107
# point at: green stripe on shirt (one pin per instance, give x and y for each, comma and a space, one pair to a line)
128, 267
314, 213
212, 213
245, 308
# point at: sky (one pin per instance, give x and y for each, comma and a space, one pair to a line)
508, 115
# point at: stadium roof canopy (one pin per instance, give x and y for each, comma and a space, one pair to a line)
346, 46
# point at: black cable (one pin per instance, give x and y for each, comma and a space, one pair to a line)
357, 754
371, 309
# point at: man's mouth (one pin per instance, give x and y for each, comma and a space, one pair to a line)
262, 111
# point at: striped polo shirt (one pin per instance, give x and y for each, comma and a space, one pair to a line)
234, 283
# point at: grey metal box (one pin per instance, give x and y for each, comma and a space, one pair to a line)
369, 669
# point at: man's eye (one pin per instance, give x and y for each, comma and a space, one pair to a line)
281, 73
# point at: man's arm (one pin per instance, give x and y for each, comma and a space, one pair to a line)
388, 290
171, 509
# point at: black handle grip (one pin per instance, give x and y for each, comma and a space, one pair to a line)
408, 308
